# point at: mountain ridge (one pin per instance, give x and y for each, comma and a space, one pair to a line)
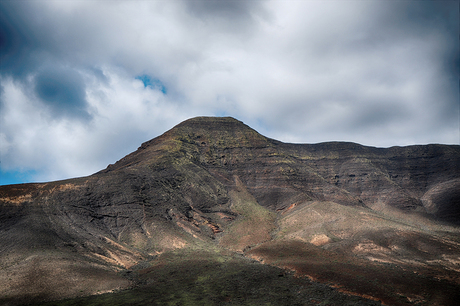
216, 184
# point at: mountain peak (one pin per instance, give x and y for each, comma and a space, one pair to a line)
200, 120
199, 132
212, 131
210, 124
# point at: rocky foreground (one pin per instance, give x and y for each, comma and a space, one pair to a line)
211, 206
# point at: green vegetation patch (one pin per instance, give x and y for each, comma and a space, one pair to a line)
254, 225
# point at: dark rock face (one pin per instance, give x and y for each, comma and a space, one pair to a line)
349, 173
186, 187
278, 174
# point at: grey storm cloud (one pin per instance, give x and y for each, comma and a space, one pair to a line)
63, 90
27, 48
17, 40
83, 83
230, 15
225, 9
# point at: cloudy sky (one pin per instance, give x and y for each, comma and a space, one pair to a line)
83, 83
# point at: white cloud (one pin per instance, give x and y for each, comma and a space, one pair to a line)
125, 114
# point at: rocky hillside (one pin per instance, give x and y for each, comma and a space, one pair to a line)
359, 218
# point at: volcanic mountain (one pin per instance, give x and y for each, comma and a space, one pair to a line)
212, 213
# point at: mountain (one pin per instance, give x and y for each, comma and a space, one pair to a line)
214, 198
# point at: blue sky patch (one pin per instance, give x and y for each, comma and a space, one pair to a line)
152, 83
16, 177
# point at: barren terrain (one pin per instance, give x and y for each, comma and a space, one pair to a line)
212, 213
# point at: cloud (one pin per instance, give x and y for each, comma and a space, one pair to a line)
17, 39
228, 16
84, 83
124, 114
63, 90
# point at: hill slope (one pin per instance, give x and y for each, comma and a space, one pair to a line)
216, 185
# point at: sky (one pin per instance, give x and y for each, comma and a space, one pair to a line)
84, 83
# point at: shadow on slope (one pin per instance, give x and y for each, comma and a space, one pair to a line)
202, 278
391, 284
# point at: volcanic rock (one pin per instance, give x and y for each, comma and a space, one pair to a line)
216, 183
